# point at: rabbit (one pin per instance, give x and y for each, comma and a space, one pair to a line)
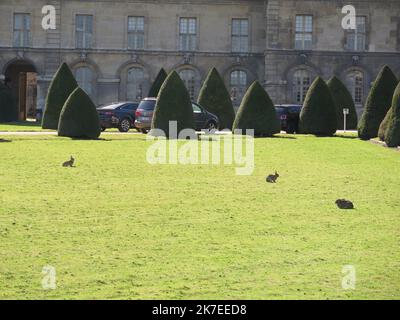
69, 163
272, 178
344, 204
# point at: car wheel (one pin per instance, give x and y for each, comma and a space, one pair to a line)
290, 129
124, 125
211, 126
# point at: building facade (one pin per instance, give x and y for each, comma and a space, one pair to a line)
116, 48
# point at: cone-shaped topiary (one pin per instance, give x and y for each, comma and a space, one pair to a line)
257, 112
318, 115
158, 82
8, 108
378, 104
79, 118
215, 98
173, 104
60, 89
392, 134
343, 99
384, 125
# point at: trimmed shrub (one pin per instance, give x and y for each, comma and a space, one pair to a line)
343, 99
61, 87
79, 118
158, 82
392, 134
318, 115
173, 104
257, 112
384, 125
377, 104
8, 107
215, 98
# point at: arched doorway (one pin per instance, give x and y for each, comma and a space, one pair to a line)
21, 77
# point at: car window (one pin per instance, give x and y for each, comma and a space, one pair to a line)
129, 107
279, 109
110, 106
196, 109
147, 105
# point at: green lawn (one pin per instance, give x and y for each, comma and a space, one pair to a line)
118, 227
29, 126
21, 126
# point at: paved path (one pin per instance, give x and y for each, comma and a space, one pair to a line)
45, 133
41, 133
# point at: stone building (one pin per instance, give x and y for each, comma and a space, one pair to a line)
116, 48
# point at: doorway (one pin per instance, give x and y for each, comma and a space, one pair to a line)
21, 77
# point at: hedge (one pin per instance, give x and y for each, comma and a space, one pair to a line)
158, 82
61, 87
173, 104
343, 99
377, 104
257, 112
318, 115
8, 107
392, 134
215, 98
79, 118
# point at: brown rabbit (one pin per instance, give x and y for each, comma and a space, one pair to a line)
344, 204
69, 163
272, 178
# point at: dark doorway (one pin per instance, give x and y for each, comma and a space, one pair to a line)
21, 78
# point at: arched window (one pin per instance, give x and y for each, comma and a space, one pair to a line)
355, 84
188, 76
301, 84
238, 84
135, 83
84, 77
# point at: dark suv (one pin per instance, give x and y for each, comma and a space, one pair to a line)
289, 115
202, 118
119, 115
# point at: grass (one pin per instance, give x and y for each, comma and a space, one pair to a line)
23, 126
30, 126
118, 227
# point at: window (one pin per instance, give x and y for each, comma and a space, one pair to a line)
238, 84
22, 29
240, 35
355, 83
356, 39
196, 109
304, 32
301, 84
188, 76
188, 34
135, 83
135, 33
84, 31
84, 77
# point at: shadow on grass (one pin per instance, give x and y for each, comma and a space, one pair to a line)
87, 139
276, 137
345, 137
22, 124
5, 140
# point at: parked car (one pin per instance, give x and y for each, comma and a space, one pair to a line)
289, 115
119, 115
144, 116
